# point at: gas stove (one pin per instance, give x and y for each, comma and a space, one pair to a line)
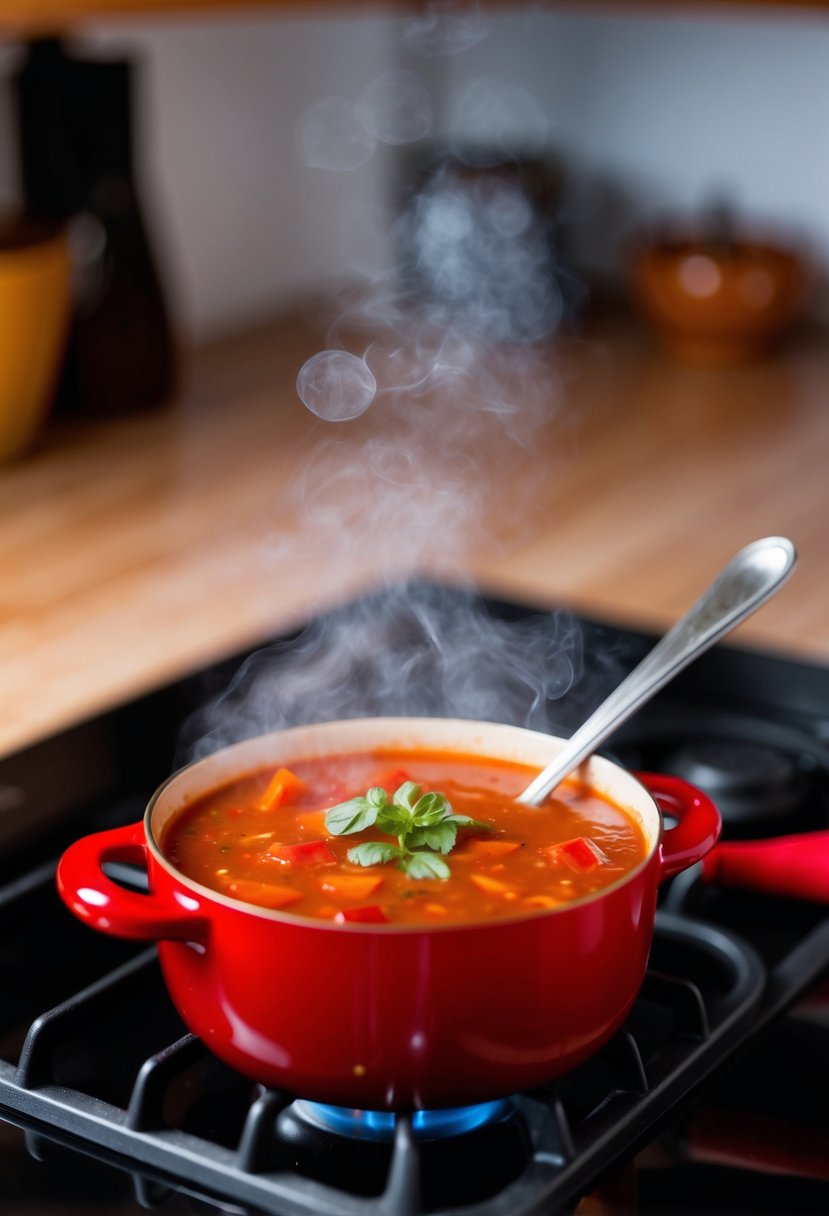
708, 1100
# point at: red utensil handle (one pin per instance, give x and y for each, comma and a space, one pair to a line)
698, 821
797, 866
103, 904
749, 1140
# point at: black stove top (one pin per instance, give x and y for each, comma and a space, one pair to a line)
710, 1099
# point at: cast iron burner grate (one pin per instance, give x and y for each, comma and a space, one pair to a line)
111, 1070
93, 1055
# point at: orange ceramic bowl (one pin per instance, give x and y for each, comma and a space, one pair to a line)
717, 302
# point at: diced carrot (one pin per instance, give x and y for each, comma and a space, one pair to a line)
542, 901
265, 894
283, 789
436, 909
368, 915
580, 854
489, 848
313, 821
352, 886
309, 853
490, 886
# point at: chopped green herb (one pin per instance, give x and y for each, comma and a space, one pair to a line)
425, 826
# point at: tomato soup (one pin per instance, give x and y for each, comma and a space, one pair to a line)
296, 840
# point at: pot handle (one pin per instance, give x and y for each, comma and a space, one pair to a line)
796, 866
698, 821
103, 904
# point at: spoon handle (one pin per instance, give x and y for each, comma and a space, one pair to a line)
748, 580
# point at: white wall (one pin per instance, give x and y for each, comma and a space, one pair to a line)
242, 223
647, 111
660, 112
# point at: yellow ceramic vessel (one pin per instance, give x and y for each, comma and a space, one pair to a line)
34, 313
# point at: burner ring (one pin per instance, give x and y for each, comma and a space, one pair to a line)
765, 777
746, 780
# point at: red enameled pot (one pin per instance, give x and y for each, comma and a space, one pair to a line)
385, 1017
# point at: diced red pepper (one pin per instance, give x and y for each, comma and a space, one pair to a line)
580, 854
284, 788
308, 853
391, 781
371, 915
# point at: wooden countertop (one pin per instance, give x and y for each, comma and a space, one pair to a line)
603, 476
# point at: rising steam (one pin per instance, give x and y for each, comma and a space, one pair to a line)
401, 651
336, 385
433, 386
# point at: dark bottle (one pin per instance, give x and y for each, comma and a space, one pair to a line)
76, 153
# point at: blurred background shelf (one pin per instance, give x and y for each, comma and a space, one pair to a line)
24, 18
28, 17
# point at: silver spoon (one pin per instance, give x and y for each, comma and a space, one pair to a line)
749, 579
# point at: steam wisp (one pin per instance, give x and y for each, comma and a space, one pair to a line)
433, 389
405, 650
